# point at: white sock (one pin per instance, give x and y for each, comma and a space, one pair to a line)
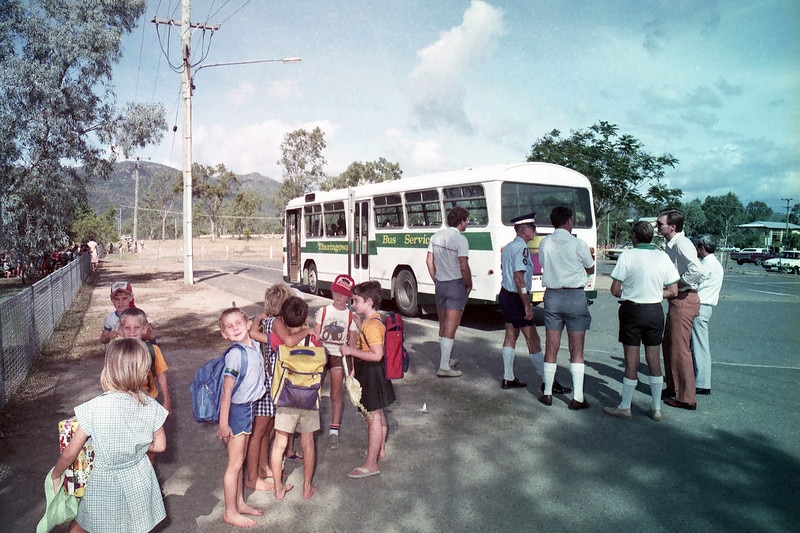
508, 363
549, 370
628, 386
577, 370
656, 383
538, 363
445, 347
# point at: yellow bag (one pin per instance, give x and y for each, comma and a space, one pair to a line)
298, 376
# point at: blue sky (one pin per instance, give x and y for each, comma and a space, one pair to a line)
446, 84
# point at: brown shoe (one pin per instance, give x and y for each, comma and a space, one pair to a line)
617, 412
575, 405
672, 402
546, 399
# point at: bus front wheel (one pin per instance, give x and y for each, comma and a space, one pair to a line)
313, 279
405, 293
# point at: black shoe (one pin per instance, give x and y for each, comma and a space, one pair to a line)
557, 388
512, 384
704, 392
665, 394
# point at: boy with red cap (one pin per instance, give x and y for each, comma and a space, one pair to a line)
335, 327
122, 298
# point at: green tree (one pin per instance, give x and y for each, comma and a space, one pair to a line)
88, 225
244, 207
624, 176
695, 218
794, 215
758, 211
164, 190
57, 112
359, 173
723, 215
303, 165
212, 186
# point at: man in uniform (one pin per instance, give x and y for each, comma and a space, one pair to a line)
515, 303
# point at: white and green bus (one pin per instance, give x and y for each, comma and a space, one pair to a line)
381, 231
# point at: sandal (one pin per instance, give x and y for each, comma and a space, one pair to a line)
361, 472
295, 458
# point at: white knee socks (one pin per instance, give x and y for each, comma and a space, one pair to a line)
538, 363
628, 386
656, 383
549, 370
445, 348
577, 370
508, 363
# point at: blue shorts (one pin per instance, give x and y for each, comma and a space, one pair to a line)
566, 307
513, 309
451, 294
240, 418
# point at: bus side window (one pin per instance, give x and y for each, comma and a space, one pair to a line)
313, 221
470, 197
334, 218
388, 211
423, 209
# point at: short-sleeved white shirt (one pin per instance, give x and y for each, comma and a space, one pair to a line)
644, 271
336, 327
711, 284
564, 259
447, 245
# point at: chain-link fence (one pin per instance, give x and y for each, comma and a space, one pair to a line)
29, 318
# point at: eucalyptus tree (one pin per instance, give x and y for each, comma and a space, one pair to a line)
58, 114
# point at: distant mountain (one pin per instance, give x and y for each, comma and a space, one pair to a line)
118, 189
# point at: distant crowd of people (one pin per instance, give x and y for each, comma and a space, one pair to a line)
42, 264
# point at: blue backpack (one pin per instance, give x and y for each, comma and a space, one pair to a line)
206, 387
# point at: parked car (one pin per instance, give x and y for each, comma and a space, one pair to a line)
614, 253
751, 255
787, 261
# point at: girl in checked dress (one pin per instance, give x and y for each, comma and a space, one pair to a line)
122, 492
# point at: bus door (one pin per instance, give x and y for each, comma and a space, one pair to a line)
359, 252
293, 228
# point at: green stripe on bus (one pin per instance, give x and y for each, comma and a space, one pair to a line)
477, 241
326, 247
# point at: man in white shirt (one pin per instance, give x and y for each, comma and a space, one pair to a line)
642, 278
708, 292
566, 261
678, 366
448, 266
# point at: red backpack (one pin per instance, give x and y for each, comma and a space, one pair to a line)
395, 355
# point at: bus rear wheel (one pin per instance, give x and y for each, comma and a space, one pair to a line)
406, 297
313, 279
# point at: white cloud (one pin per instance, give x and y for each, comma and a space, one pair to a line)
241, 95
436, 89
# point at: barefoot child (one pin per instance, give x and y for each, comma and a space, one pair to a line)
264, 410
236, 411
122, 298
290, 419
132, 325
122, 493
376, 392
335, 327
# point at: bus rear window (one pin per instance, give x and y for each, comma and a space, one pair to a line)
423, 209
470, 197
388, 211
519, 199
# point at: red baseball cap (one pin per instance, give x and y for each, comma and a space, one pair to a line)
343, 284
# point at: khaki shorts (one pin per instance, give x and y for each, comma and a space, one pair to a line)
291, 419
